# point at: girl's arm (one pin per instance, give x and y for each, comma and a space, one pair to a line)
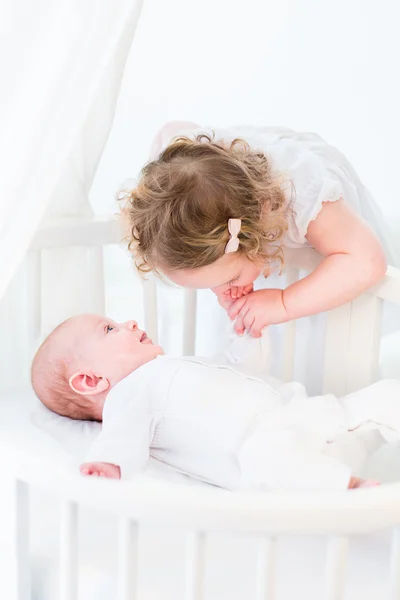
354, 261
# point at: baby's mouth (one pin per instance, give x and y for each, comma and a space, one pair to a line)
144, 339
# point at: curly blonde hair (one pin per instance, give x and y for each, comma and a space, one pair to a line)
178, 213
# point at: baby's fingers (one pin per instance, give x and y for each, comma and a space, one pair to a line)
247, 289
236, 307
225, 301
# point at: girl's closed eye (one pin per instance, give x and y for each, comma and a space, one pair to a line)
233, 281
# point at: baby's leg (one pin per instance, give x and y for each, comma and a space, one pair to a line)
282, 459
379, 403
101, 470
357, 482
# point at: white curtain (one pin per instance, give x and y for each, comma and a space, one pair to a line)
61, 67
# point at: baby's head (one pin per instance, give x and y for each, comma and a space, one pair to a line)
83, 358
178, 214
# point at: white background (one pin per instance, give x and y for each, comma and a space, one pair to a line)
319, 65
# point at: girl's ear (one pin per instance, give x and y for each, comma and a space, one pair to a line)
88, 384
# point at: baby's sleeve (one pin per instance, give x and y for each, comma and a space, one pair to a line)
252, 355
312, 184
125, 439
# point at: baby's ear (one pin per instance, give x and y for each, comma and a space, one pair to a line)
88, 384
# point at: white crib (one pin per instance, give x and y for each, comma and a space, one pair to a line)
352, 345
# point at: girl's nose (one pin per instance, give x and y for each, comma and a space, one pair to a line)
132, 325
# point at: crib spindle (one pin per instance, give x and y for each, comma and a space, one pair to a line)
150, 308
22, 541
69, 551
127, 559
266, 561
34, 308
395, 565
336, 350
189, 322
289, 336
96, 274
336, 563
364, 341
195, 559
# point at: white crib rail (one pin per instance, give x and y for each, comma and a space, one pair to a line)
200, 511
352, 343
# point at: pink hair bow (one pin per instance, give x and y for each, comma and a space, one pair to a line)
234, 226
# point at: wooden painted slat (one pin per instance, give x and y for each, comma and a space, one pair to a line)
289, 334
189, 322
364, 342
96, 274
22, 541
336, 350
395, 565
150, 308
68, 582
336, 566
34, 283
266, 564
195, 559
127, 559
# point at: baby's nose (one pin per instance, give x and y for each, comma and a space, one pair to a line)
132, 325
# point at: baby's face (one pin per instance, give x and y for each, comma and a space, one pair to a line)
108, 349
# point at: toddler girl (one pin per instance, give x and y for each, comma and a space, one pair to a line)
216, 208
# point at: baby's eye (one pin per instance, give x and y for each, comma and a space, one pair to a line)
109, 328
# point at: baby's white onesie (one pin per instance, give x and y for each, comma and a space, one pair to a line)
217, 423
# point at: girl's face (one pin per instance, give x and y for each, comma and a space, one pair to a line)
230, 270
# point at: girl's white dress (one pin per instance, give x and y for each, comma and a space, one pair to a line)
318, 173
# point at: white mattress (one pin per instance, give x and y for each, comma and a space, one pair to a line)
231, 560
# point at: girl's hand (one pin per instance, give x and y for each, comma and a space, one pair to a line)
101, 470
257, 310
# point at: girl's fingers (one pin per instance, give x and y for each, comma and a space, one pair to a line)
248, 319
257, 327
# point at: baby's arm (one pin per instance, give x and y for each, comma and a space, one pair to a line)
122, 448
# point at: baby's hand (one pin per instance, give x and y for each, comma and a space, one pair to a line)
237, 291
228, 298
257, 310
101, 470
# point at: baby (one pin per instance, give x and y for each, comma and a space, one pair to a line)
213, 420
